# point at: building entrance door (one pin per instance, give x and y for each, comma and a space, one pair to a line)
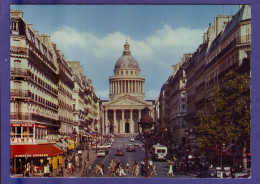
126, 127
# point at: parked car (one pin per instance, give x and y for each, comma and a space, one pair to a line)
137, 144
109, 144
106, 151
119, 152
132, 139
130, 148
245, 174
101, 153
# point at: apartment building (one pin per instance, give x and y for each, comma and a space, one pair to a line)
226, 45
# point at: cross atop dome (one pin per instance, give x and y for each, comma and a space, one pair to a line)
127, 48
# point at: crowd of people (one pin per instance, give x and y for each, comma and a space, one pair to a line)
32, 170
118, 168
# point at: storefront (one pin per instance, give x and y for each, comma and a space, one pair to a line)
33, 131
36, 154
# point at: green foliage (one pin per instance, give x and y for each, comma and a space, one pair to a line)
230, 121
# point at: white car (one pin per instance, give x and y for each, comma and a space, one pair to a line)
137, 144
101, 153
109, 145
132, 139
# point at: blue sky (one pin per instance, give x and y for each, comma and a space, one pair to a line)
158, 35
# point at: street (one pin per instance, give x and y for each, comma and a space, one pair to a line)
161, 166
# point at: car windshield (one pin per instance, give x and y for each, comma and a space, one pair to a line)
160, 151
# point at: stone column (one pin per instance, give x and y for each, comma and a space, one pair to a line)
112, 87
131, 122
115, 121
139, 114
125, 86
128, 86
115, 86
106, 122
122, 126
131, 86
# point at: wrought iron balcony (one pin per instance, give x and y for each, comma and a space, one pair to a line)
20, 116
20, 72
19, 50
20, 93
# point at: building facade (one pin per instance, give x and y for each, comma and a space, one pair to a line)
126, 97
226, 46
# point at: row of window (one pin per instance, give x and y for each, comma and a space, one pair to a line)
64, 91
26, 132
126, 72
43, 83
44, 101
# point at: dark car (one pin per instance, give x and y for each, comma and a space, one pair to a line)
206, 174
130, 148
119, 152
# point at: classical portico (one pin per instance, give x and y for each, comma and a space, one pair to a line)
126, 97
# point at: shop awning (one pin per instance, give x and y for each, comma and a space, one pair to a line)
35, 150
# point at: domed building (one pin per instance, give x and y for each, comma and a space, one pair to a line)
126, 97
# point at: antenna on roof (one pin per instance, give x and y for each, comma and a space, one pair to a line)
126, 38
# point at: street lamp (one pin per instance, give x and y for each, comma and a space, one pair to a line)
87, 148
146, 124
74, 136
96, 137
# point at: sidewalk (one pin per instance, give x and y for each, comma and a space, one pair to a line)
79, 171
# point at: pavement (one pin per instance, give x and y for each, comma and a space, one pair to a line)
79, 171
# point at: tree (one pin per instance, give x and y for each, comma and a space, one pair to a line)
230, 121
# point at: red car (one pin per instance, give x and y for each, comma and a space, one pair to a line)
130, 148
119, 152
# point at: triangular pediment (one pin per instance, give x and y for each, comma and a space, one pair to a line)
127, 100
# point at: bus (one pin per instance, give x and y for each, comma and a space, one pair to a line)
159, 152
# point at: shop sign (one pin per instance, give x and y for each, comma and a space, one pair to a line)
22, 125
22, 140
32, 155
41, 126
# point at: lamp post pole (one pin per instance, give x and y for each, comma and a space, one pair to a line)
146, 124
87, 149
96, 138
74, 136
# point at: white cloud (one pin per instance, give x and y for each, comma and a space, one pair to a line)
103, 94
152, 94
163, 43
154, 53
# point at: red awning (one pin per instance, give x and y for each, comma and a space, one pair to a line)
35, 150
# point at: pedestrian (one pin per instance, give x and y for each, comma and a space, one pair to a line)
69, 167
84, 165
40, 169
127, 167
133, 169
142, 167
153, 170
170, 172
61, 170
28, 170
73, 169
113, 170
50, 168
102, 167
24, 170
66, 162
137, 170
121, 171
